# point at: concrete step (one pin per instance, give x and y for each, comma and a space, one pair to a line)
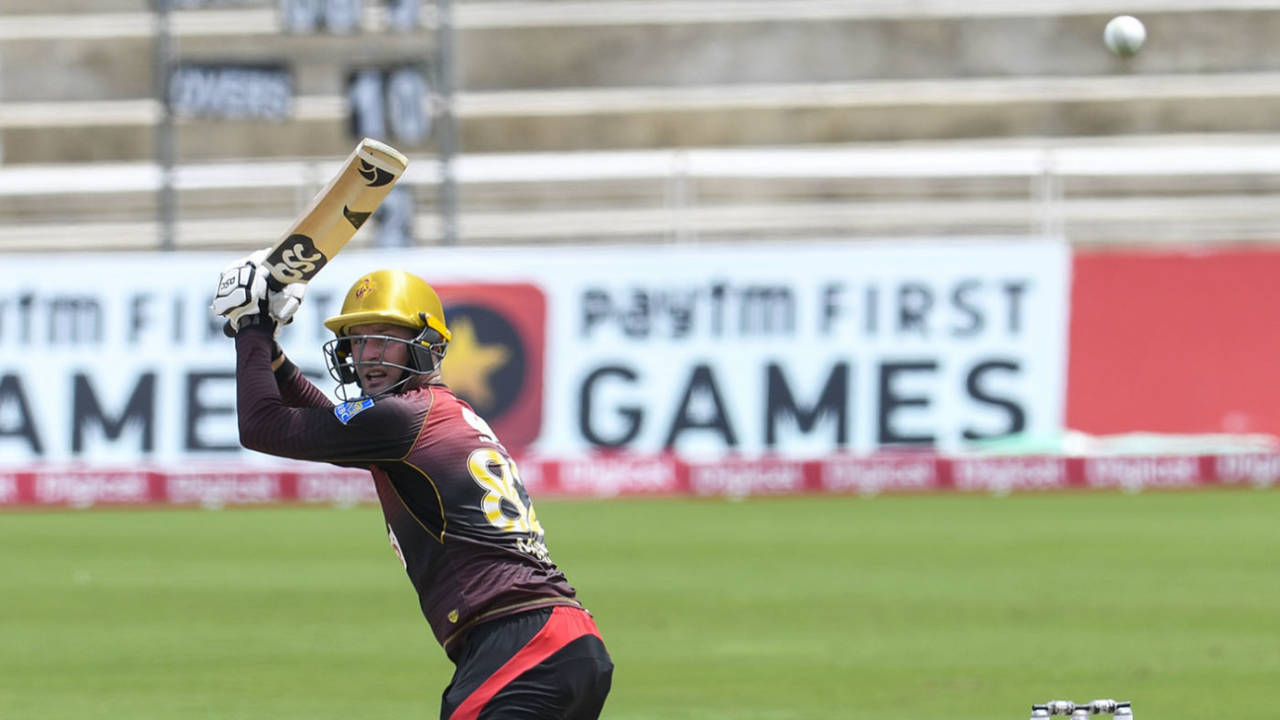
1099, 221
566, 75
753, 45
79, 7
678, 43
648, 118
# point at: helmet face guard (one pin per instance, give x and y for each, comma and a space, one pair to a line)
387, 297
424, 352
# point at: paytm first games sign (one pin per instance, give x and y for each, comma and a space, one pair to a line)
792, 350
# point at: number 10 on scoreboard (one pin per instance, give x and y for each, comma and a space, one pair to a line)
390, 102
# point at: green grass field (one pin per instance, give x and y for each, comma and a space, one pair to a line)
814, 607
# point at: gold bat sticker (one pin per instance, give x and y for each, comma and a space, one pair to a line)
295, 260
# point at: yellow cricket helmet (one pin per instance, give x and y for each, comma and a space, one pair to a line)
394, 297
390, 296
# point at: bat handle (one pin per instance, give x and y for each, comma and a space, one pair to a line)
273, 284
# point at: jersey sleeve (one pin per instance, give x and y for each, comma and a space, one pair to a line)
386, 430
296, 390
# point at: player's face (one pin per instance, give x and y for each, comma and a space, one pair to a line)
376, 357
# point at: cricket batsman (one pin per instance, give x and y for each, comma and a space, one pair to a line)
457, 515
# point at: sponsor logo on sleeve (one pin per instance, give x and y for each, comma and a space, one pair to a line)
347, 410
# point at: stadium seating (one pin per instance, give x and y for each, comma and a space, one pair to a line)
674, 120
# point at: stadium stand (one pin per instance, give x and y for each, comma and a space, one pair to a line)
676, 120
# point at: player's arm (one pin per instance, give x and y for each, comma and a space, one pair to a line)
253, 311
279, 411
269, 425
247, 296
295, 388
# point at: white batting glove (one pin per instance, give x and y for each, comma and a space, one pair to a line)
242, 290
282, 304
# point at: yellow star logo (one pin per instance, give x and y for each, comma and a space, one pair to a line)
469, 364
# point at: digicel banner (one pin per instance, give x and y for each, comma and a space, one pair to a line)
652, 475
796, 350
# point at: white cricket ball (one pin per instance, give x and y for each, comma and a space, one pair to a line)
1124, 35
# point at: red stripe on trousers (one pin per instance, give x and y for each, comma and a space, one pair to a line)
565, 625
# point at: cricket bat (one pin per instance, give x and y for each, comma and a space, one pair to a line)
335, 213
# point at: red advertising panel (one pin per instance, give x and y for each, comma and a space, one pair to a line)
1175, 342
494, 361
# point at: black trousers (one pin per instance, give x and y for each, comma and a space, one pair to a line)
548, 664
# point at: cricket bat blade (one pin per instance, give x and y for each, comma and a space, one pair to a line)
335, 213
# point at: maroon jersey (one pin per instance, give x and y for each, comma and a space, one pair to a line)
457, 514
